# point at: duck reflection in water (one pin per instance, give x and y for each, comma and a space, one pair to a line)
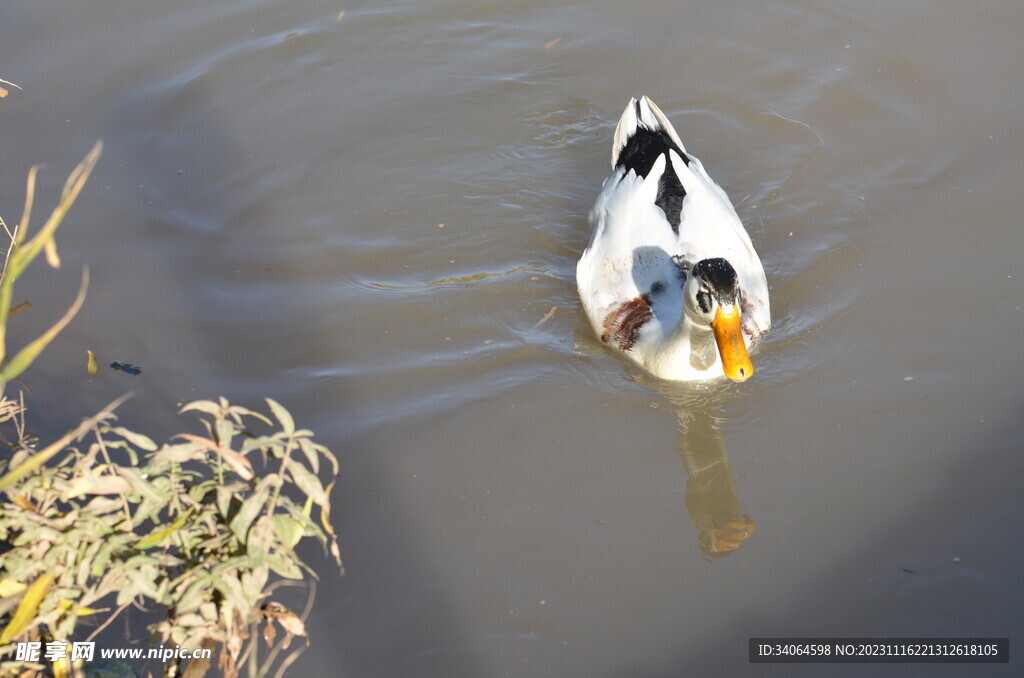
710, 492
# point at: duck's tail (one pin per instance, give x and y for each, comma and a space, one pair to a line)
643, 134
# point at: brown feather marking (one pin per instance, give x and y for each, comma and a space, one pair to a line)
623, 323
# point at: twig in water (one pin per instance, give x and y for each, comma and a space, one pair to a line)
547, 317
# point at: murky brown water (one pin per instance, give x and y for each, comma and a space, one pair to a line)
515, 500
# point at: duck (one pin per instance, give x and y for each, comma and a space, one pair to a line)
670, 278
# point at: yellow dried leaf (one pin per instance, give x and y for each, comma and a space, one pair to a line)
23, 503
62, 668
9, 587
340, 14
325, 511
92, 365
27, 608
82, 610
157, 537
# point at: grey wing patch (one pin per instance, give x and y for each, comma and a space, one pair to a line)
750, 326
624, 321
703, 350
682, 265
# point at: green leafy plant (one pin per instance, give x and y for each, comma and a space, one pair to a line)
201, 529
193, 526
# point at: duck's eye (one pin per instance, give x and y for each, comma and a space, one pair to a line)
704, 301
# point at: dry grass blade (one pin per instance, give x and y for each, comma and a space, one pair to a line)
72, 187
30, 196
44, 455
25, 357
20, 256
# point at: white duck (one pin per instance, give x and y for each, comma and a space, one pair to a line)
670, 278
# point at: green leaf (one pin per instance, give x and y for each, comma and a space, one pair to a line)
284, 566
239, 411
102, 558
307, 482
323, 451
207, 406
231, 587
101, 506
144, 581
137, 439
198, 492
143, 486
260, 540
258, 442
251, 508
306, 445
126, 594
224, 496
254, 581
282, 415
226, 431
178, 454
288, 531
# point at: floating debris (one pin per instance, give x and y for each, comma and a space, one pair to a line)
4, 92
126, 367
23, 306
546, 318
552, 43
92, 365
340, 14
908, 379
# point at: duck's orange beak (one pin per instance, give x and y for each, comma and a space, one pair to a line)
729, 337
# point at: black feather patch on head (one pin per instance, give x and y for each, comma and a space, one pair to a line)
720, 277
704, 301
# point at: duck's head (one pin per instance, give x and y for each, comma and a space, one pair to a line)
712, 298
